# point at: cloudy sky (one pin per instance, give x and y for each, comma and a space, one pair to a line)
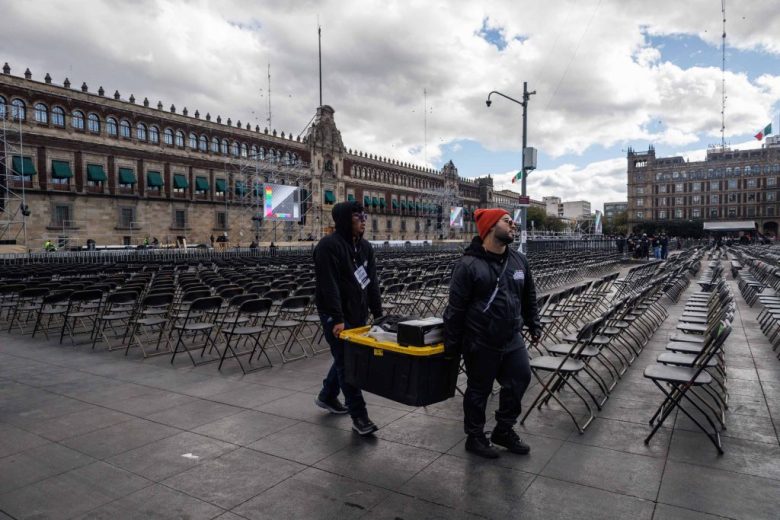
608, 74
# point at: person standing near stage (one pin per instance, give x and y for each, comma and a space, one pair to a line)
347, 288
492, 295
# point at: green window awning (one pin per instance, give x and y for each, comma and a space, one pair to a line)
201, 184
95, 173
366, 201
61, 170
330, 198
240, 188
403, 204
258, 190
394, 203
350, 198
381, 202
153, 179
221, 187
23, 166
127, 176
375, 202
180, 181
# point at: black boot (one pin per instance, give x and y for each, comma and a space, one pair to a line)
508, 438
479, 445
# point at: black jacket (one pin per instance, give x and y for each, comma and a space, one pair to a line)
336, 258
469, 322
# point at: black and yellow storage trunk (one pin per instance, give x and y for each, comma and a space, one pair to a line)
415, 376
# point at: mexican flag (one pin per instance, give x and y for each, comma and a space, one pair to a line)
517, 177
765, 132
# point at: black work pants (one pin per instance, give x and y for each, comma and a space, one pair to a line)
513, 372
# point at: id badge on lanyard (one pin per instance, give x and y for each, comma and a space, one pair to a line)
362, 277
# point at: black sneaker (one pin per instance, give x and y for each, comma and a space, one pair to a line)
363, 426
479, 445
508, 438
331, 405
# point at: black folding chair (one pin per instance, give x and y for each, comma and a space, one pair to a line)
678, 383
249, 324
200, 321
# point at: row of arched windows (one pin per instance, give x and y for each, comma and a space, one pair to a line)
394, 178
119, 127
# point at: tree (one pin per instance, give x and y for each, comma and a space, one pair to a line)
554, 224
618, 224
538, 216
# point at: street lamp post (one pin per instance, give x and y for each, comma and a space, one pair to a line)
524, 104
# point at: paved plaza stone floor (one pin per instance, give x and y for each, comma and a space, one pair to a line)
88, 434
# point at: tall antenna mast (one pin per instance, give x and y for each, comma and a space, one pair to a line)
425, 123
723, 79
319, 46
270, 126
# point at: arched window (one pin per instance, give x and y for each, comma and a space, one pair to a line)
154, 135
287, 158
253, 152
203, 143
93, 123
140, 132
214, 145
244, 151
168, 137
58, 117
2, 107
193, 141
225, 147
180, 138
261, 153
235, 149
18, 110
294, 159
41, 113
272, 155
77, 120
111, 127
124, 128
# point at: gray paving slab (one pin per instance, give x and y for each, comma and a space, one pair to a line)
161, 459
72, 493
304, 442
245, 427
719, 492
234, 478
463, 484
38, 463
155, 501
125, 436
549, 498
619, 472
314, 494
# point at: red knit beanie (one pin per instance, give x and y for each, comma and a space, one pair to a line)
487, 218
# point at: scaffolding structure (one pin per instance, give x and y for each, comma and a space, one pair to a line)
13, 206
246, 178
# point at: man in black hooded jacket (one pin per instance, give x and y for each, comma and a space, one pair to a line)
492, 295
347, 287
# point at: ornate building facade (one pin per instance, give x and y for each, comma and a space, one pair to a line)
728, 185
90, 166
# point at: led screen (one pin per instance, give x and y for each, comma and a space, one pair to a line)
456, 217
281, 202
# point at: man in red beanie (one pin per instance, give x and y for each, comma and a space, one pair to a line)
492, 295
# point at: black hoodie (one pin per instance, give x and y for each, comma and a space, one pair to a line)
471, 319
336, 258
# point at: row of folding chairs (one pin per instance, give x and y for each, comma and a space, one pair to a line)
607, 335
691, 373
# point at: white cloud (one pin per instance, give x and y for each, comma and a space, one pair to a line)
598, 80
